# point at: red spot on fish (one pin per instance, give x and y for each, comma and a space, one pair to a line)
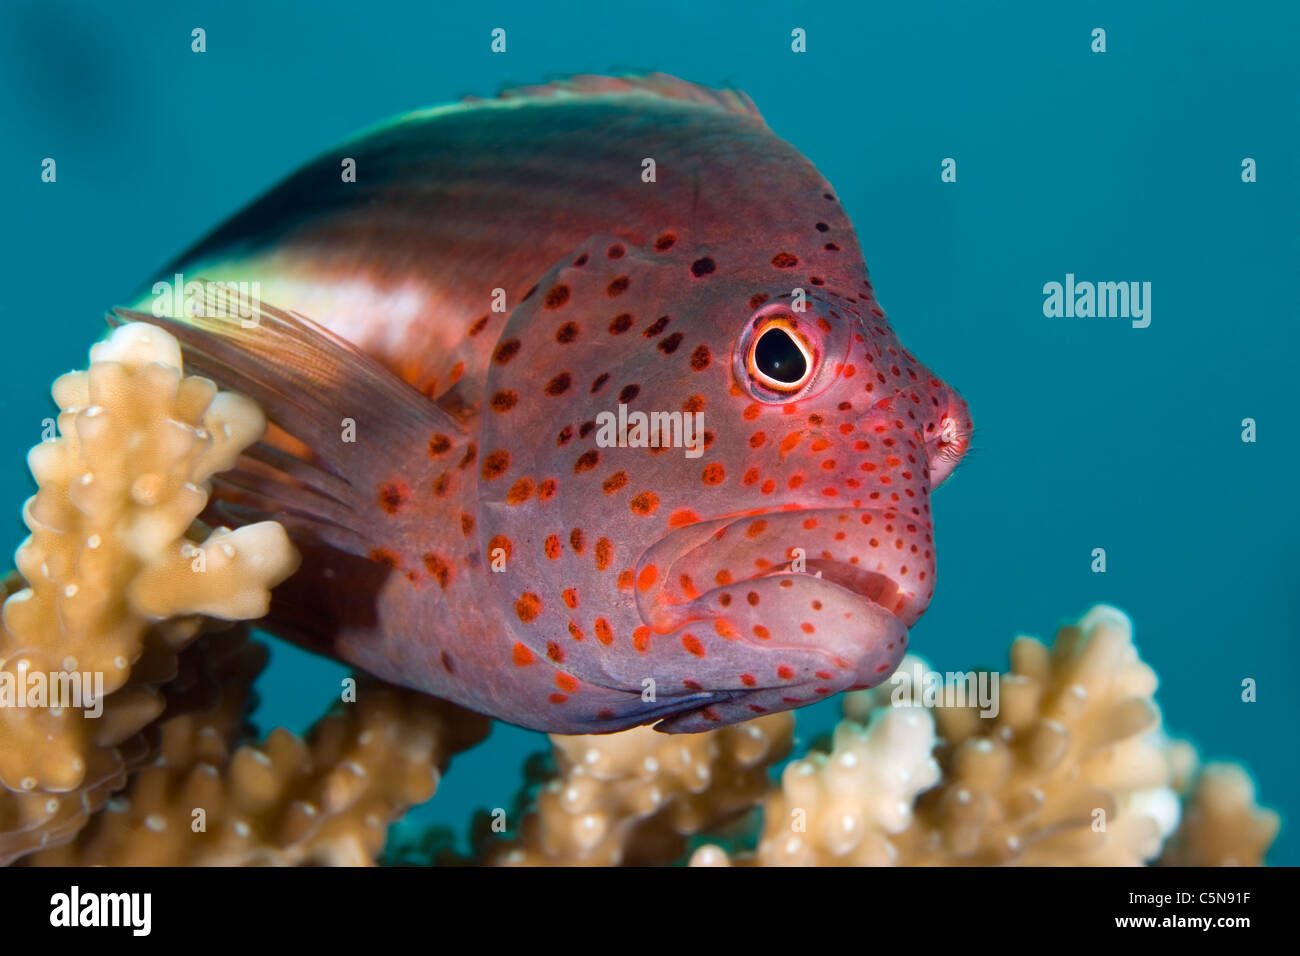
528, 606
714, 473
644, 504
546, 490
556, 297
785, 673
495, 464
641, 638
617, 287
384, 556
501, 543
761, 632
669, 345
755, 529
625, 579
522, 655
665, 241
570, 596
603, 632
439, 444
576, 632
566, 333
694, 403
506, 351
749, 680
478, 325
604, 553
438, 569
559, 385
567, 682
586, 461
646, 579
392, 495
700, 358
692, 645
577, 541
504, 401
552, 546
520, 491
752, 598
557, 698
614, 482
555, 652
682, 517
785, 260
466, 523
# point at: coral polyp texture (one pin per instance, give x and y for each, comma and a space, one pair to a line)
120, 578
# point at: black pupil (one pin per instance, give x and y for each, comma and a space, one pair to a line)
777, 357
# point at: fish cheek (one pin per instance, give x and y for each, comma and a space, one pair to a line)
564, 512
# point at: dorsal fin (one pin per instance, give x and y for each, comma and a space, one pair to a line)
652, 84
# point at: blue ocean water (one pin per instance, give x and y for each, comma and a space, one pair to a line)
1090, 433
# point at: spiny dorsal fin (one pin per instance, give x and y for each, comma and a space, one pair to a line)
653, 84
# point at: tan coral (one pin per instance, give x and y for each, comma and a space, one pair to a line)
326, 801
634, 797
118, 570
1222, 824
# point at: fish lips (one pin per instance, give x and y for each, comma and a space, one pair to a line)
743, 573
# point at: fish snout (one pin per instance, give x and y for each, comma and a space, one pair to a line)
948, 437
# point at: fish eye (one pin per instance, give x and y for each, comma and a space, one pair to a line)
779, 359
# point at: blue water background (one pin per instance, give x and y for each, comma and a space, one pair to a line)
1090, 433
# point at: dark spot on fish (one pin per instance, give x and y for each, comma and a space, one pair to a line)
665, 242
693, 404
471, 453
529, 294
615, 251
495, 464
392, 495
814, 419
506, 351
822, 227
629, 392
655, 327
669, 345
620, 324
577, 541
586, 428
816, 280
438, 569
581, 260
556, 297
586, 461
600, 382
478, 325
446, 663
828, 196
708, 440
785, 260
565, 436
466, 523
503, 401
703, 267
559, 385
617, 287
442, 485
439, 444
384, 556
831, 247
566, 333
700, 358
757, 299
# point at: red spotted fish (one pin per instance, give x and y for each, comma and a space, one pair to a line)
584, 412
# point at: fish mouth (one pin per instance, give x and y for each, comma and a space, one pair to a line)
693, 566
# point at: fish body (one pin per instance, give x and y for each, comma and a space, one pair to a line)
596, 420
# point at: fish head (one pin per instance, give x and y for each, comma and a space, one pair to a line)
772, 548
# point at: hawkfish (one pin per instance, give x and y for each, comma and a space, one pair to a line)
584, 412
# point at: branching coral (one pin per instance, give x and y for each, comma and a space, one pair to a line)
120, 578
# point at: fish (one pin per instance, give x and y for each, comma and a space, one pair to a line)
584, 414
